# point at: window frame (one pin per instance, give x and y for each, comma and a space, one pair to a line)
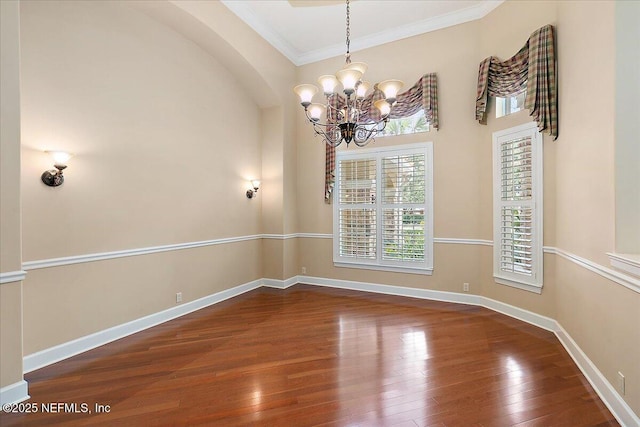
378, 153
533, 283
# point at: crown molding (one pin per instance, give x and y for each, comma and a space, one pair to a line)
244, 12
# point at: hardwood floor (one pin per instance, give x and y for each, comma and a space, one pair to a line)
320, 356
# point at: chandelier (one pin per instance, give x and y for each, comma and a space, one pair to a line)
348, 118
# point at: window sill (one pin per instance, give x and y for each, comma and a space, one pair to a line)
537, 289
629, 263
390, 268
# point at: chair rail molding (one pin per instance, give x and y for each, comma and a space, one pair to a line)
12, 276
629, 263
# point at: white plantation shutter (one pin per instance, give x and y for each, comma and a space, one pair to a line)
518, 207
516, 245
357, 215
382, 211
403, 207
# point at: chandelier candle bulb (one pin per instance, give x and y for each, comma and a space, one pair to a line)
390, 89
328, 83
361, 90
383, 106
315, 111
305, 92
349, 79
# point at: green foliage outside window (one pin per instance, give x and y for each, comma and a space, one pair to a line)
406, 125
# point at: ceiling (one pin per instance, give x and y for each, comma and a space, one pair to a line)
306, 31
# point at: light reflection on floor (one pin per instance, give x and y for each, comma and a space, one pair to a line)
384, 354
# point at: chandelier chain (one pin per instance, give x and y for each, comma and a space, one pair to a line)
348, 55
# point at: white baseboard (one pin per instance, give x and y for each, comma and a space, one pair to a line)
618, 407
14, 393
63, 351
391, 290
460, 298
280, 284
520, 314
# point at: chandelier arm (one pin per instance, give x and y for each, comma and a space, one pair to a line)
332, 141
338, 111
363, 135
318, 122
363, 143
348, 104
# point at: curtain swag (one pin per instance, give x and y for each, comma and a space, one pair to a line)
532, 69
422, 95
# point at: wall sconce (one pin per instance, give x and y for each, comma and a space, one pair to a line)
54, 177
251, 192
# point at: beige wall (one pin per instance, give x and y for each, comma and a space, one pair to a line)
268, 76
165, 139
601, 316
164, 135
585, 149
10, 250
68, 302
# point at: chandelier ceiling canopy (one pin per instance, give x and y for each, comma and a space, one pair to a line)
348, 117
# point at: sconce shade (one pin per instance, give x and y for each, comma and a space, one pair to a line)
59, 157
54, 177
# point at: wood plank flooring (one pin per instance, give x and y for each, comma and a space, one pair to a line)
308, 356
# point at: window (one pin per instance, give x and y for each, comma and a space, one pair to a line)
383, 209
517, 207
509, 105
415, 123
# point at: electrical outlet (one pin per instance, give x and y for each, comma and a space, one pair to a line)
621, 382
304, 270
465, 287
179, 297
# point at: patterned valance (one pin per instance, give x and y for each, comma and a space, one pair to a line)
422, 95
532, 69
